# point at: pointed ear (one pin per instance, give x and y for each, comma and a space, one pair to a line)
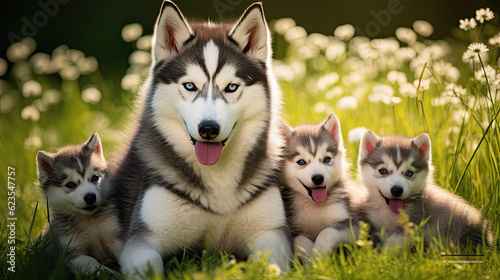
332, 125
368, 143
423, 144
94, 145
45, 165
285, 130
251, 33
171, 31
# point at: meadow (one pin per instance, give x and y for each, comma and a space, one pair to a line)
406, 85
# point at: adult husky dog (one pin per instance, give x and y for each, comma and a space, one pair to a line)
200, 169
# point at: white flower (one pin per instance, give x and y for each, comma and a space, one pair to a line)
381, 93
91, 95
70, 73
408, 89
21, 50
490, 73
131, 81
395, 76
139, 57
87, 65
467, 24
423, 28
335, 50
327, 80
281, 26
483, 15
472, 50
347, 103
356, 134
425, 84
320, 107
30, 112
144, 43
3, 66
344, 32
32, 87
131, 32
495, 40
406, 35
317, 39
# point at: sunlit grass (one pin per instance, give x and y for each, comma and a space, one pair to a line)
51, 100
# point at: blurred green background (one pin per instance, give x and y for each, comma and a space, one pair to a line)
94, 26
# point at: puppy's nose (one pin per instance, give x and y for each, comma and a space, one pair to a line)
397, 190
90, 198
208, 129
318, 179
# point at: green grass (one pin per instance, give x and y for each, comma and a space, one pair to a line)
464, 132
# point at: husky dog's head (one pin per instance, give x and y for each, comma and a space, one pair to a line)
395, 168
313, 158
209, 87
71, 178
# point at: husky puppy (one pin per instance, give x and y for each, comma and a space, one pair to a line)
82, 222
315, 187
397, 173
200, 170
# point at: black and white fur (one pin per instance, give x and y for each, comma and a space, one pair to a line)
315, 182
82, 221
201, 166
397, 173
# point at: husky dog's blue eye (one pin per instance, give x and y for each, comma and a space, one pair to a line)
301, 162
327, 159
231, 88
409, 173
383, 171
70, 185
94, 178
189, 86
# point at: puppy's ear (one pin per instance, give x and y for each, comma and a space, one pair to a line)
171, 31
251, 33
332, 125
368, 144
94, 144
45, 166
285, 130
423, 144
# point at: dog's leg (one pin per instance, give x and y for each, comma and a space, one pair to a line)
302, 246
396, 239
277, 243
137, 255
331, 237
84, 264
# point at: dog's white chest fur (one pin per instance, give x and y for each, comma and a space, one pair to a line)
311, 218
96, 236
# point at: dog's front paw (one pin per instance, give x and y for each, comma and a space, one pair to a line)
302, 246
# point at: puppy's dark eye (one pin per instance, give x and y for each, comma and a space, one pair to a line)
409, 173
94, 178
301, 162
327, 159
383, 171
70, 185
189, 86
231, 88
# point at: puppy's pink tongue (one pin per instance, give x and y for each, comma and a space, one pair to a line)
318, 194
396, 205
208, 153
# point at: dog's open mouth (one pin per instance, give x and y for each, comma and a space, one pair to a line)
90, 208
395, 204
317, 194
208, 153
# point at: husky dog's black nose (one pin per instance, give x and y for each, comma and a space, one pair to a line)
90, 198
208, 129
318, 179
397, 191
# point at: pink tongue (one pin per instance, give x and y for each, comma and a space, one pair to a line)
208, 153
396, 205
318, 194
